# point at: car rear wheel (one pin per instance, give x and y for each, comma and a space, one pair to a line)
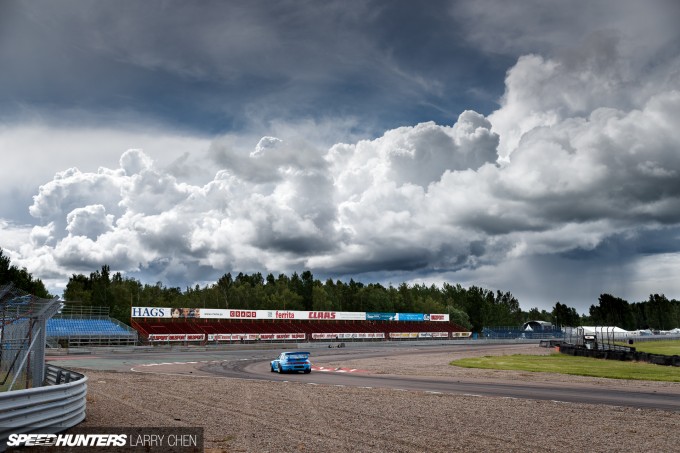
308, 371
271, 368
280, 369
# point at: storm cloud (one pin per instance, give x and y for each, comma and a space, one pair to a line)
567, 188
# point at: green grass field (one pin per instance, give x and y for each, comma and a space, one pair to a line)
665, 347
581, 366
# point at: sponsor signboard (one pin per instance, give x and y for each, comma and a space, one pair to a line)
410, 317
403, 334
438, 317
165, 312
348, 316
221, 313
256, 336
461, 334
324, 336
150, 312
433, 334
381, 316
177, 337
347, 336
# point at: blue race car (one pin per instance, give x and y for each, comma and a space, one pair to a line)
291, 361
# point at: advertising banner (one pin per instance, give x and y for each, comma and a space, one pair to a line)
437, 317
461, 334
347, 336
165, 312
177, 337
221, 313
277, 336
360, 335
150, 312
410, 317
256, 336
433, 335
403, 334
381, 316
324, 336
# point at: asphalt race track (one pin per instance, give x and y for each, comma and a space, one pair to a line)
254, 364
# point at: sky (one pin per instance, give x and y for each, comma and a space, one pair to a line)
530, 147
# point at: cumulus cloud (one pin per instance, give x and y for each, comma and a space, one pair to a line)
89, 221
33, 151
72, 189
134, 161
283, 205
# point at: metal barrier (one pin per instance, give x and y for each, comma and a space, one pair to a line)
52, 408
23, 318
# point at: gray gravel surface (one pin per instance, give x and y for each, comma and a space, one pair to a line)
257, 416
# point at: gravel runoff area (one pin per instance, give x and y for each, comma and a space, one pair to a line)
259, 416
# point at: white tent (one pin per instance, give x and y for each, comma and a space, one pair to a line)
603, 332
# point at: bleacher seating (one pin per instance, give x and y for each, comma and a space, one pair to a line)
89, 332
61, 327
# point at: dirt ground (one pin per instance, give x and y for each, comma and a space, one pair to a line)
256, 416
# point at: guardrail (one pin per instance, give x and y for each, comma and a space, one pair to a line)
55, 407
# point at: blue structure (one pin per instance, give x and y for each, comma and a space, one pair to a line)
63, 326
89, 332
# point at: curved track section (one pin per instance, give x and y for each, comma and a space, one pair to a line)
258, 368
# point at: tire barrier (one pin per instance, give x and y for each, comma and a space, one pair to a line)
660, 359
56, 406
620, 354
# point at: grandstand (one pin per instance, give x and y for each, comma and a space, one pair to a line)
158, 325
79, 325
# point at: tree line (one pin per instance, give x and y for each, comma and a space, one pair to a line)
656, 313
21, 278
472, 308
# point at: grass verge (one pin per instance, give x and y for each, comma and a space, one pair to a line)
580, 366
664, 347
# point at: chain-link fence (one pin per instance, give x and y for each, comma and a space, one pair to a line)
599, 337
609, 337
522, 333
23, 319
